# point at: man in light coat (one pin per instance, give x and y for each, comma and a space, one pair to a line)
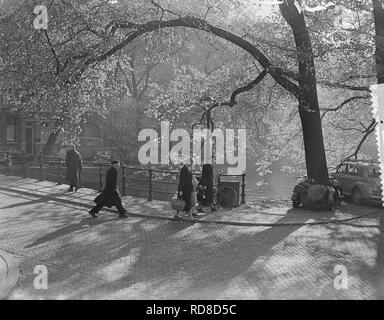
74, 166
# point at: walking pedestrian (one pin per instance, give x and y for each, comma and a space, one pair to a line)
110, 195
200, 197
74, 166
185, 190
206, 188
191, 212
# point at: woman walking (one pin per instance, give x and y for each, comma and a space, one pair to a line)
185, 190
206, 188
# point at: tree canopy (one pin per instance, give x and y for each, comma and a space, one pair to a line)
266, 68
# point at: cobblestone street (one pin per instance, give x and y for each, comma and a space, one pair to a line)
154, 257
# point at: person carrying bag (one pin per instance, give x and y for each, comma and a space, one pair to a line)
184, 193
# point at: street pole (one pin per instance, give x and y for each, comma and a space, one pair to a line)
208, 114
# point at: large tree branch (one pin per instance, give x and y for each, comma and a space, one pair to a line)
371, 128
234, 94
348, 129
240, 90
345, 102
343, 86
196, 23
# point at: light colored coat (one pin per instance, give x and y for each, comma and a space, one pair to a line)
194, 193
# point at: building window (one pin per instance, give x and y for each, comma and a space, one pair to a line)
11, 129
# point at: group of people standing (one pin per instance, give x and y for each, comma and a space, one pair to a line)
195, 193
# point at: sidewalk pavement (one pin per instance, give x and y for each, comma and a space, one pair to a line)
256, 213
150, 256
9, 273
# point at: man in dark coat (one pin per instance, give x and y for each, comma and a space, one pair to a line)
110, 195
74, 166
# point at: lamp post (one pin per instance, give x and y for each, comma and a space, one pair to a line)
207, 103
207, 169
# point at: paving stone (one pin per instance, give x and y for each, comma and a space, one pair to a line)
145, 258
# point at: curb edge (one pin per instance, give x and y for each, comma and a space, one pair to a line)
12, 274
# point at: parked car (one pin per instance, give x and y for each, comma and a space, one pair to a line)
360, 180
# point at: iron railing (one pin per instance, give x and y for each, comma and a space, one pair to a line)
138, 181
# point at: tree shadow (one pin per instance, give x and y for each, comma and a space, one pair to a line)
162, 253
43, 199
55, 197
355, 244
89, 221
212, 260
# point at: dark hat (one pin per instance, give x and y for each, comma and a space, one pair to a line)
115, 161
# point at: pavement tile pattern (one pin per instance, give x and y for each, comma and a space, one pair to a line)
142, 257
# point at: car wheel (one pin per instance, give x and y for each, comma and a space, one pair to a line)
356, 195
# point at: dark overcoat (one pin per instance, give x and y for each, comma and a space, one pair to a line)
206, 182
110, 195
74, 165
185, 185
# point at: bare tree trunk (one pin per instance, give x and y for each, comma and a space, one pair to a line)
308, 101
53, 137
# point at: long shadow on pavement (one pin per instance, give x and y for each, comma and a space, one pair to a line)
181, 267
42, 199
48, 197
67, 230
178, 260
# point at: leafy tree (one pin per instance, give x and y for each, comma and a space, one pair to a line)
307, 55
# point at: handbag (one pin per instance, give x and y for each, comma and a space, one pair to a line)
177, 204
